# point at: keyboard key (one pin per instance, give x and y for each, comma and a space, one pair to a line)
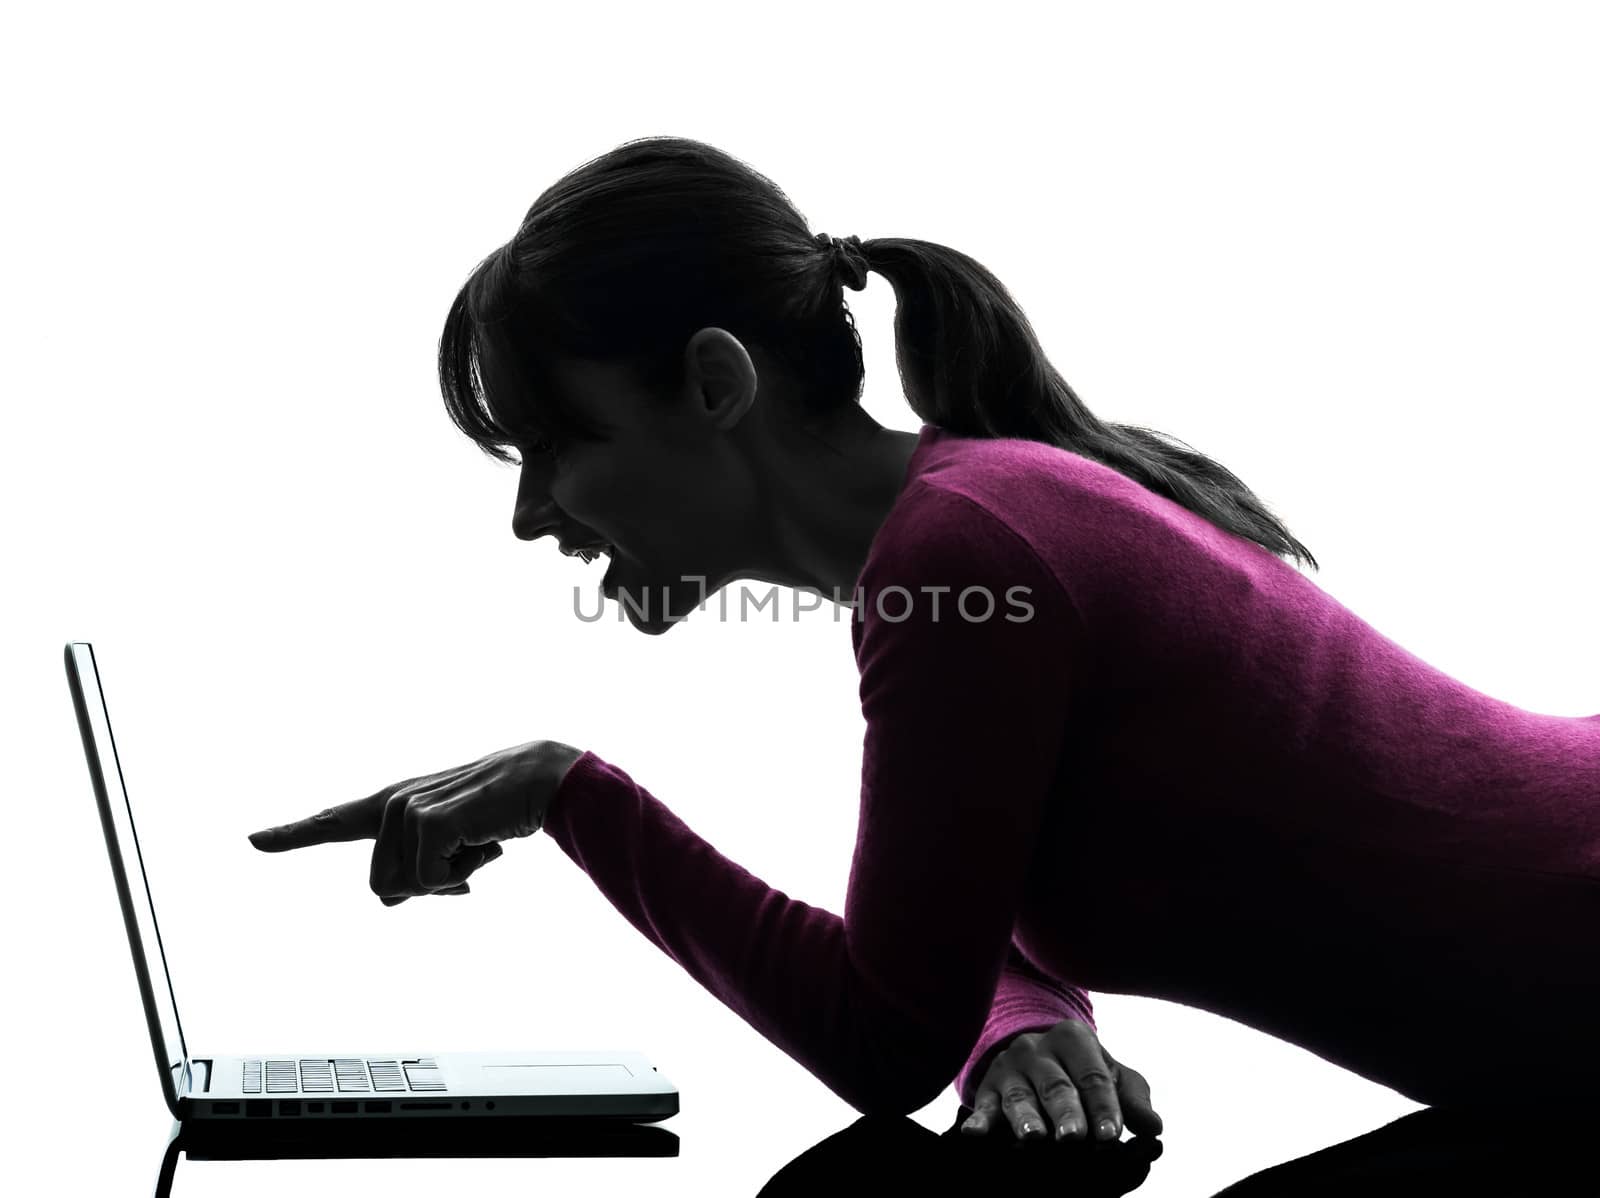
316, 1077
386, 1075
252, 1077
351, 1075
282, 1077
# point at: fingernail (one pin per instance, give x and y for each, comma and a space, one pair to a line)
1068, 1127
1107, 1130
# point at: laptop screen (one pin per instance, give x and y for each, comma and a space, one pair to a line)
133, 890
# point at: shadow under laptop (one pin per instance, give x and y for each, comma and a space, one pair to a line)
508, 1136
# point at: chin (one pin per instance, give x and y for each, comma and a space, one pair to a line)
654, 626
651, 620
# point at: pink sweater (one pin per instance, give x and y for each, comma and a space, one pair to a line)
1167, 765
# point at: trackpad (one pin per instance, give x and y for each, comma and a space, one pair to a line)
602, 1077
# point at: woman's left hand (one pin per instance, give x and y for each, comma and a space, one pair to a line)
431, 833
1062, 1084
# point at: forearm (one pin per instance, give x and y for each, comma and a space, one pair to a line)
784, 966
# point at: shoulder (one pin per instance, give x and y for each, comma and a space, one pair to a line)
1071, 509
936, 528
1042, 491
1105, 537
986, 506
943, 556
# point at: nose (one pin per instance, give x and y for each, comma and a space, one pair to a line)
532, 521
535, 513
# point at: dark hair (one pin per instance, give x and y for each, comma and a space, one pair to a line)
625, 257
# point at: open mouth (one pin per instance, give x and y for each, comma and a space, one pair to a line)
588, 553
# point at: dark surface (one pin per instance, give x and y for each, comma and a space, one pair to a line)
1429, 1151
508, 1136
878, 1155
335, 1139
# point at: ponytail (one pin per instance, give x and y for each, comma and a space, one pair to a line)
970, 363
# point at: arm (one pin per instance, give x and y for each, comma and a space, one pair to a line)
1026, 1000
964, 724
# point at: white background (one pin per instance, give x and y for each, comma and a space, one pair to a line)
1347, 250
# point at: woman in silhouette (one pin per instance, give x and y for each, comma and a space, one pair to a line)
1114, 740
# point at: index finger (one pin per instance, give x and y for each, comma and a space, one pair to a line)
357, 820
1091, 1073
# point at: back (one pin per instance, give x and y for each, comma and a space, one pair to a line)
1299, 823
1251, 673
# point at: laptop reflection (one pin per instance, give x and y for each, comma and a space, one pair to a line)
342, 1139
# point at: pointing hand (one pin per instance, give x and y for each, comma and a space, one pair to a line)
431, 833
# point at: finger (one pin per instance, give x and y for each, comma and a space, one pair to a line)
1062, 1103
473, 858
464, 864
439, 847
397, 852
1133, 1091
1078, 1050
985, 1110
1020, 1105
355, 820
388, 852
405, 864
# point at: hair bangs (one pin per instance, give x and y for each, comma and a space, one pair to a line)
513, 403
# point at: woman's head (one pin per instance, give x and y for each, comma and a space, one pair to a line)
586, 343
677, 483
617, 340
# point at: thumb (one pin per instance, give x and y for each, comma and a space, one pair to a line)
1133, 1095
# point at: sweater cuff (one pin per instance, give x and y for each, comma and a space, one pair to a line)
1006, 1021
580, 774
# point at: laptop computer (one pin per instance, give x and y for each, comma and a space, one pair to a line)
271, 1087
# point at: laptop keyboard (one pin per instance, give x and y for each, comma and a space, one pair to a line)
343, 1075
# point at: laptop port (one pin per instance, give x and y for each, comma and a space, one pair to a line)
224, 1108
424, 1106
343, 1108
288, 1108
313, 1108
255, 1108
378, 1108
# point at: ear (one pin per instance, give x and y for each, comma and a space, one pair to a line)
719, 377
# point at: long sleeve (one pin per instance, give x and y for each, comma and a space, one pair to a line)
1026, 1000
965, 720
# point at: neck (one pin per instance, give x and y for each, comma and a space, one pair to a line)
827, 490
